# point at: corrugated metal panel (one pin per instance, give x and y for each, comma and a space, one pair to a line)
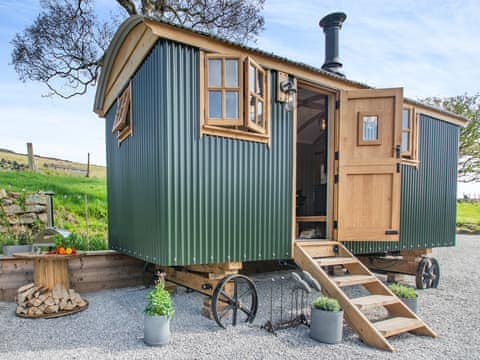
181, 199
135, 175
428, 199
228, 200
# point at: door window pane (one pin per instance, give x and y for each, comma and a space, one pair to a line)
232, 104
214, 72
231, 73
370, 128
406, 119
215, 104
405, 141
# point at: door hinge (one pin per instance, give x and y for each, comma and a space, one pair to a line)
398, 167
335, 224
336, 178
337, 155
337, 104
391, 232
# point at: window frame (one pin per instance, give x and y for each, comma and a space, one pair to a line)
124, 111
226, 129
410, 156
253, 125
224, 121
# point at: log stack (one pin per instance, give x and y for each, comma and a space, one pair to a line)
39, 301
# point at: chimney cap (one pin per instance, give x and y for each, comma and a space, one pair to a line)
333, 19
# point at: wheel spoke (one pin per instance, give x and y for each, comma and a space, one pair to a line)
225, 311
247, 292
235, 299
247, 312
229, 299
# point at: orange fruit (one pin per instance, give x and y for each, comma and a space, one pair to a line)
61, 250
68, 251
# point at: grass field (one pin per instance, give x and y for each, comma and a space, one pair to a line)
468, 216
40, 162
69, 201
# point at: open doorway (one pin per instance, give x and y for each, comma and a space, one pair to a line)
312, 164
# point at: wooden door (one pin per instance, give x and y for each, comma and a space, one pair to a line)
368, 182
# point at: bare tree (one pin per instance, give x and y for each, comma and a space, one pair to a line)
468, 106
64, 45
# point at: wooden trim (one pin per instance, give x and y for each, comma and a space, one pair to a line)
410, 153
437, 114
130, 65
360, 139
234, 134
311, 219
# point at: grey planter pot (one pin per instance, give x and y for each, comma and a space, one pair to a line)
411, 303
156, 330
9, 250
326, 326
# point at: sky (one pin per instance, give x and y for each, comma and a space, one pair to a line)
429, 47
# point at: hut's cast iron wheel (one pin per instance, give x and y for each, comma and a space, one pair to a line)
428, 273
234, 299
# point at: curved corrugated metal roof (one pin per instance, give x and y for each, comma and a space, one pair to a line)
131, 22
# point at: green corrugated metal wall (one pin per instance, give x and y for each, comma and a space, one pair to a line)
428, 198
182, 199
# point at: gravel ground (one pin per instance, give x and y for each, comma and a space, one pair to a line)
111, 328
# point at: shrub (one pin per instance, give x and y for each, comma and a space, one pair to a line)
403, 291
326, 304
159, 302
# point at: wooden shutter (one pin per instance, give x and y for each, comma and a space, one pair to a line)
122, 110
369, 180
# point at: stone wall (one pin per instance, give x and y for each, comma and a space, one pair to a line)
22, 213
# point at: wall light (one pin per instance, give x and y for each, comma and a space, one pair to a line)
288, 87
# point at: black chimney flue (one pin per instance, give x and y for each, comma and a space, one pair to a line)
331, 24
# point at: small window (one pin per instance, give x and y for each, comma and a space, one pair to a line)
122, 124
256, 97
407, 132
235, 98
368, 129
223, 91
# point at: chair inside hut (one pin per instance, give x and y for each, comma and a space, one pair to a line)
312, 136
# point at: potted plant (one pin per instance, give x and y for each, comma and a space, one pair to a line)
327, 320
407, 295
158, 313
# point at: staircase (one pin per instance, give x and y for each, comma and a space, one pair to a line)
317, 256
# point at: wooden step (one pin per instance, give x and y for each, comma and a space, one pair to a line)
349, 280
336, 260
397, 325
371, 301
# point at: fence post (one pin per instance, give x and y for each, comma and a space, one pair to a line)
31, 160
88, 166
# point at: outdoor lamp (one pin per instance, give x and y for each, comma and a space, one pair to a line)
288, 87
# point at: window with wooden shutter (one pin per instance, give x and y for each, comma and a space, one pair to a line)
122, 125
408, 148
234, 98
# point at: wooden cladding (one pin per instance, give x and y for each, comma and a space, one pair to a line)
122, 124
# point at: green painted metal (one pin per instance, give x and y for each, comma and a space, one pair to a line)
428, 197
176, 198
